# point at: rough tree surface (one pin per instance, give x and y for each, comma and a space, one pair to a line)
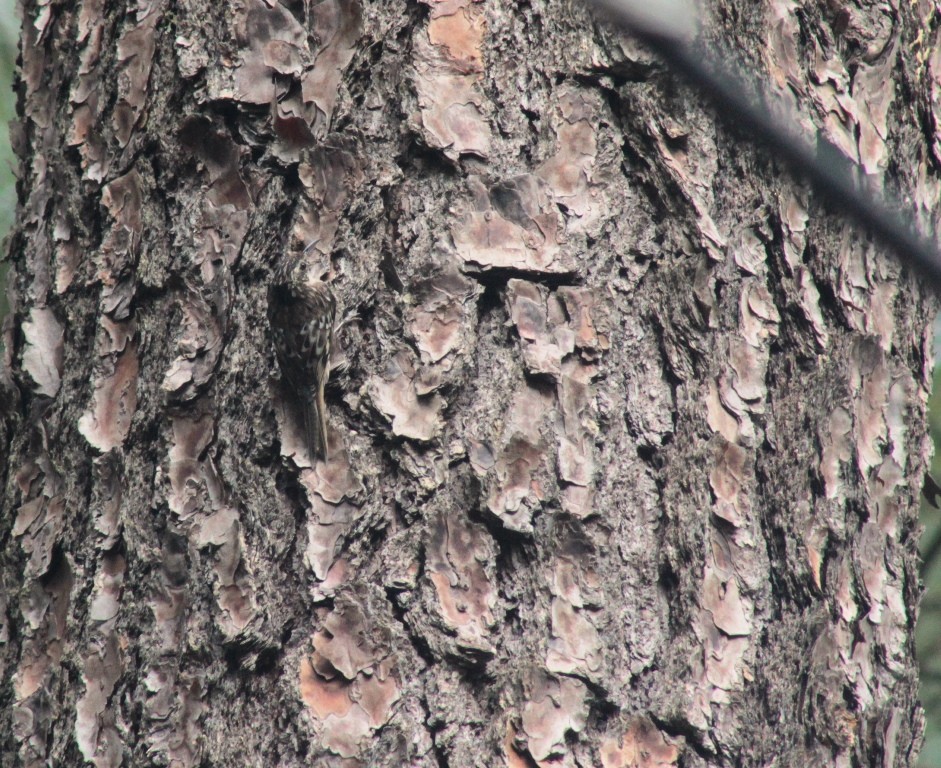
627, 431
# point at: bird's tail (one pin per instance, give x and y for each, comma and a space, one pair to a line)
315, 426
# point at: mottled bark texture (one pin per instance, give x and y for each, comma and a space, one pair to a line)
626, 432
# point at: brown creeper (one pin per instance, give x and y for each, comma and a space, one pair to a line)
301, 312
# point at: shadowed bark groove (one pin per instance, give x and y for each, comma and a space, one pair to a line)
626, 431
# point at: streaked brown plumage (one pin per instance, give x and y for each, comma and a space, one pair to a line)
301, 312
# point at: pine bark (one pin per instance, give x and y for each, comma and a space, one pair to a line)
627, 431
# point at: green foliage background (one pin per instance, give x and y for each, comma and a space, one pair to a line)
9, 34
928, 629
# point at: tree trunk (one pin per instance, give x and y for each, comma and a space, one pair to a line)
626, 430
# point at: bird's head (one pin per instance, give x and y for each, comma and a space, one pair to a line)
297, 273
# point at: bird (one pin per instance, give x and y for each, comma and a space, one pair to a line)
301, 314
